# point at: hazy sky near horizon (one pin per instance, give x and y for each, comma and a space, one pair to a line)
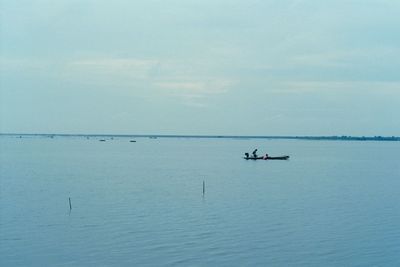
254, 67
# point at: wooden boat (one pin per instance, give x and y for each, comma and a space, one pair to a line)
269, 158
253, 158
279, 158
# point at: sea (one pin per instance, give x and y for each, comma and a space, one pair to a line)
78, 201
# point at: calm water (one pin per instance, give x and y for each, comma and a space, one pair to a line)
141, 204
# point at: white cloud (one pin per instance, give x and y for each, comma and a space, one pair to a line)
346, 57
204, 87
137, 68
195, 92
165, 78
8, 64
301, 87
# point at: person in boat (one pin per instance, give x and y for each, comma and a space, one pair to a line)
255, 153
265, 157
247, 155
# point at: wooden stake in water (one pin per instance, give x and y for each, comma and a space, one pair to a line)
204, 187
70, 206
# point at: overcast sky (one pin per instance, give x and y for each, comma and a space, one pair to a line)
254, 67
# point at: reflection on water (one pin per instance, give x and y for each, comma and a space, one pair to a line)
331, 204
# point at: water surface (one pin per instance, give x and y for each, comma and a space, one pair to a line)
141, 204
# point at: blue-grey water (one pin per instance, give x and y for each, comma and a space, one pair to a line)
141, 204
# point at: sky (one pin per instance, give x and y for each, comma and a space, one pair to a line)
204, 67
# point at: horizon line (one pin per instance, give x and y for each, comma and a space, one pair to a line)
334, 137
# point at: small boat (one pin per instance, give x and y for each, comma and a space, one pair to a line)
253, 158
279, 158
102, 140
268, 158
132, 141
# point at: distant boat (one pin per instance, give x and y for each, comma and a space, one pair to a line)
132, 141
153, 137
268, 158
102, 140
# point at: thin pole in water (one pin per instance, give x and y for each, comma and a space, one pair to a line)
204, 187
70, 206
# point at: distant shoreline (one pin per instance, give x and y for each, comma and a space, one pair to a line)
328, 138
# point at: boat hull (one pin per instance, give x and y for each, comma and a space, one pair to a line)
269, 158
278, 158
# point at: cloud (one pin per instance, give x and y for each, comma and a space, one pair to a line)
194, 92
9, 64
136, 68
347, 57
304, 87
165, 78
204, 87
